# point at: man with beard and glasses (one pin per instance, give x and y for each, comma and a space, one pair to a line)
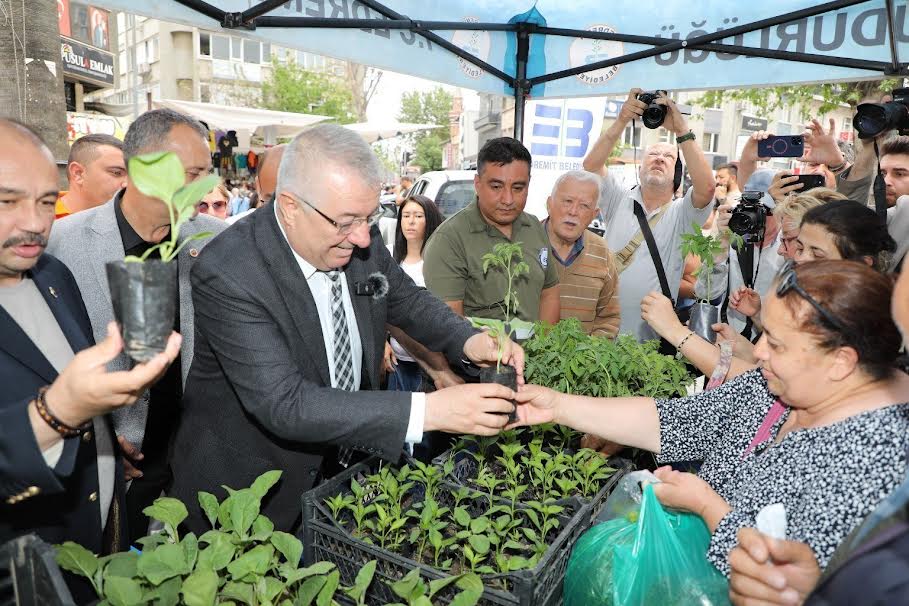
668, 219
59, 477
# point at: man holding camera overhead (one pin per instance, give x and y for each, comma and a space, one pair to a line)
650, 206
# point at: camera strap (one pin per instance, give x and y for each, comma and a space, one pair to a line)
880, 189
654, 251
745, 256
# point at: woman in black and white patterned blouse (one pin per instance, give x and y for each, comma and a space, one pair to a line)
838, 445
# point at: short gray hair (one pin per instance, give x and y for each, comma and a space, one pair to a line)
150, 130
581, 176
307, 154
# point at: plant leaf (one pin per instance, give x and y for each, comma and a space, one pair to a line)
253, 562
242, 592
440, 584
209, 504
327, 594
158, 175
166, 594
244, 508
124, 564
471, 587
187, 196
264, 482
289, 546
200, 588
77, 559
163, 563
479, 543
362, 582
262, 528
167, 510
309, 589
121, 591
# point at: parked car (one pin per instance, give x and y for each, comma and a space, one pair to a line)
451, 190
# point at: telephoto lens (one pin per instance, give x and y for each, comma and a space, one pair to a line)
655, 113
872, 119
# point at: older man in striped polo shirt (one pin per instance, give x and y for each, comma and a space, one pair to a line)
588, 276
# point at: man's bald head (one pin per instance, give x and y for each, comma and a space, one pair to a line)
267, 175
13, 131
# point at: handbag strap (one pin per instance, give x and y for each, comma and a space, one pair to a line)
652, 247
623, 257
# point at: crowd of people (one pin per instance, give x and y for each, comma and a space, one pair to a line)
306, 337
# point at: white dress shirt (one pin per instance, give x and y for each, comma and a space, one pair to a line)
320, 285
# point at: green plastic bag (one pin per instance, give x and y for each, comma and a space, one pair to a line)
645, 557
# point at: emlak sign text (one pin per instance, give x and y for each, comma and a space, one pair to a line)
86, 63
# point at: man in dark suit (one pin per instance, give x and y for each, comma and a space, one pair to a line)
290, 335
59, 476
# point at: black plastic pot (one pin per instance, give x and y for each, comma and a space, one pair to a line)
144, 296
703, 316
506, 376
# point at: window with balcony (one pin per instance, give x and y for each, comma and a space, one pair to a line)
204, 44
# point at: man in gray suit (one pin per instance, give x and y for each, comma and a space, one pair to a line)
290, 336
129, 224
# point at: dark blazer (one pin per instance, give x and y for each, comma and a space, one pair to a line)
60, 503
258, 396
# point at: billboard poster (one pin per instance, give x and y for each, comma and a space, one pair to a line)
100, 27
63, 18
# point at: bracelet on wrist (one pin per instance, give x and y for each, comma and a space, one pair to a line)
838, 168
682, 342
689, 136
67, 431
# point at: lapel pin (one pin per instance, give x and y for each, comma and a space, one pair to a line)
52, 291
193, 252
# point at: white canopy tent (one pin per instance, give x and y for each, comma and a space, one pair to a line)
379, 131
247, 121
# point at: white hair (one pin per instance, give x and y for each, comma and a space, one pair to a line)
581, 176
307, 155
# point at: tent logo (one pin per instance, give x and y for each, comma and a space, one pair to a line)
477, 43
584, 51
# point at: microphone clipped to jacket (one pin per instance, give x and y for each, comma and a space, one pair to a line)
375, 286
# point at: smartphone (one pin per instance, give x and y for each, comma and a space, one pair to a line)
785, 146
809, 182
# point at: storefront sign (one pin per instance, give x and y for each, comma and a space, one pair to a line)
753, 124
85, 63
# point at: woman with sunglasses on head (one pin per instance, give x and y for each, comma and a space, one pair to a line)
828, 355
215, 202
418, 218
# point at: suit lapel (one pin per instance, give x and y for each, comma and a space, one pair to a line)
61, 309
106, 245
17, 344
293, 287
356, 272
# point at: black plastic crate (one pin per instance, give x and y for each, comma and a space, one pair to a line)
29, 575
324, 540
465, 467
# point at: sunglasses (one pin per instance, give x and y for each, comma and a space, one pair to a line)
218, 205
787, 281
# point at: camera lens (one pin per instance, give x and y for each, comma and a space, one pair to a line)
871, 119
795, 141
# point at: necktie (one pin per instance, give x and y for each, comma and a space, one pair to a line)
342, 357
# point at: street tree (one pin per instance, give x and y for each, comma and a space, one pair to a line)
292, 88
427, 107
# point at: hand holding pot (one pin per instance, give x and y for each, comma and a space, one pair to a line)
536, 405
478, 408
657, 311
483, 350
771, 571
85, 389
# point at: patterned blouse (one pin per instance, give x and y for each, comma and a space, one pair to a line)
828, 478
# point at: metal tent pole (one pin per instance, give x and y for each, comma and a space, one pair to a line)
521, 84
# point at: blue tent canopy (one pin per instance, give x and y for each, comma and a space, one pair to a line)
553, 48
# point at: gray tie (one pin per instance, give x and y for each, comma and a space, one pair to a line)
344, 378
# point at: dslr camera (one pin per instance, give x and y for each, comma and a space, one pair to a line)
872, 119
655, 113
749, 218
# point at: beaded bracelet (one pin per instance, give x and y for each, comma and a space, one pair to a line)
682, 342
56, 424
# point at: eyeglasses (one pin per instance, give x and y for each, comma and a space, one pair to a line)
348, 226
216, 205
787, 281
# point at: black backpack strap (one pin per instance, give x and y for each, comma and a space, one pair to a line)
654, 251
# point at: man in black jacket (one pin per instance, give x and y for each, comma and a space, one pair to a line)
290, 336
59, 476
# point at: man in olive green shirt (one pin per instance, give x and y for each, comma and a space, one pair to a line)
453, 259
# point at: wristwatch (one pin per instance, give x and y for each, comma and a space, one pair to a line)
689, 136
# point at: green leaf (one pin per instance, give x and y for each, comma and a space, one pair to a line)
289, 546
190, 549
268, 588
471, 587
362, 582
309, 589
121, 591
124, 564
327, 594
264, 482
166, 509
253, 562
242, 592
158, 175
440, 584
479, 543
188, 195
262, 528
479, 525
166, 594
209, 505
163, 563
77, 559
244, 508
461, 516
200, 588
405, 587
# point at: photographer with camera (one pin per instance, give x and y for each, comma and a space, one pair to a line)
648, 211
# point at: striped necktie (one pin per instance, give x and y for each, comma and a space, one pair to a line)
344, 376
